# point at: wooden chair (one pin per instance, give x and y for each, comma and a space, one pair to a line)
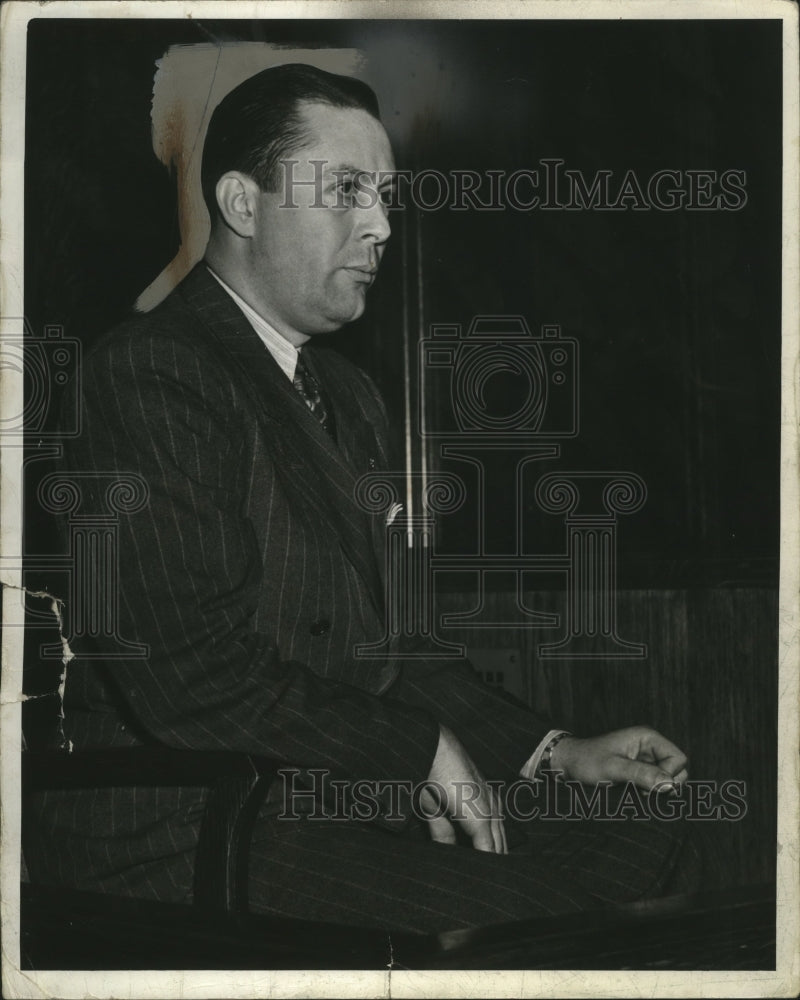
71, 929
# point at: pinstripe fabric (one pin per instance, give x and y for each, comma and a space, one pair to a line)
347, 873
251, 574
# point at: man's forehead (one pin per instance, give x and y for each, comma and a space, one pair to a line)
345, 138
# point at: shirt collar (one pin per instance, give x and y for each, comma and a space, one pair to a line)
284, 353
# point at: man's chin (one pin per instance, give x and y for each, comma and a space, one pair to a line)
347, 315
336, 318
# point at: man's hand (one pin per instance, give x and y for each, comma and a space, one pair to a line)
466, 799
639, 754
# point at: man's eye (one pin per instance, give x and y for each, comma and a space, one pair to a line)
345, 191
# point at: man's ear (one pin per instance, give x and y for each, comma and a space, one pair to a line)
236, 198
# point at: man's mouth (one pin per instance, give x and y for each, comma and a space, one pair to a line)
366, 274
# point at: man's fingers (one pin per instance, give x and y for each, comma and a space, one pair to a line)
483, 838
481, 821
498, 825
673, 765
430, 807
486, 834
464, 796
639, 755
642, 774
499, 834
669, 757
441, 830
494, 820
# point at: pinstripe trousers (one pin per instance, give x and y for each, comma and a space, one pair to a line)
396, 877
349, 872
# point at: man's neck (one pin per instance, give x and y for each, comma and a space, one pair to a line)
284, 353
233, 274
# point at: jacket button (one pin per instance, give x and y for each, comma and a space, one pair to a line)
320, 627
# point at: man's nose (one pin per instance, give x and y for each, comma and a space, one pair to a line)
374, 223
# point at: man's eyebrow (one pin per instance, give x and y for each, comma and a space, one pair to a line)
384, 177
342, 169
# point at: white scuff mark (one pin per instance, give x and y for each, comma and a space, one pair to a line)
189, 83
56, 604
390, 967
394, 510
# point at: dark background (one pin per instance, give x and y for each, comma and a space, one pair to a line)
677, 313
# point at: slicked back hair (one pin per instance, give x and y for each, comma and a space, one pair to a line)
259, 123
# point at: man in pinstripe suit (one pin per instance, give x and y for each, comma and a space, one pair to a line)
251, 574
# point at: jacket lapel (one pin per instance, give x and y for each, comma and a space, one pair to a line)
310, 460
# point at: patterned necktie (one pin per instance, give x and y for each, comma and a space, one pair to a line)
313, 396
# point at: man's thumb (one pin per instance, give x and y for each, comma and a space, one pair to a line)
642, 774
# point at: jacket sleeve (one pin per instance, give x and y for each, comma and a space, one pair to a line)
189, 576
499, 732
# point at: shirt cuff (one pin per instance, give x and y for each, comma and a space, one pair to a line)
531, 766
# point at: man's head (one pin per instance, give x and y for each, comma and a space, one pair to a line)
289, 233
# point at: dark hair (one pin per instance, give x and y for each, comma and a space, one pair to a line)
258, 123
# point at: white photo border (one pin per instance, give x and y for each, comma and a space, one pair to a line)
785, 981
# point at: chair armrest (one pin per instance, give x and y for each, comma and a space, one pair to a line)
237, 783
145, 766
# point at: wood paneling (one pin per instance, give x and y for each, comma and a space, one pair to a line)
709, 682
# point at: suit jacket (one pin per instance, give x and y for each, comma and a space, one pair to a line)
251, 574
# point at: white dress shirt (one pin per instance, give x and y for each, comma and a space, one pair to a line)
279, 347
531, 766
